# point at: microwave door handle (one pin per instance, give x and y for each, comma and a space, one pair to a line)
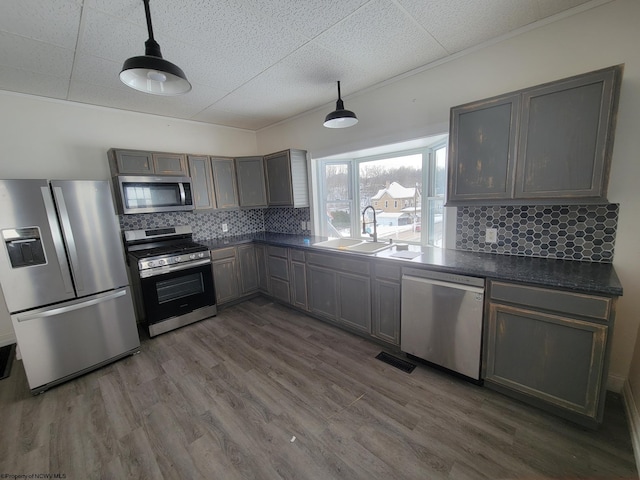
58, 244
183, 197
68, 236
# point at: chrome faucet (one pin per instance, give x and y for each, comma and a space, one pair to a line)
364, 224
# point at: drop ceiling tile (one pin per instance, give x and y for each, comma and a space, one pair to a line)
460, 24
222, 117
301, 79
15, 80
107, 37
546, 8
54, 22
308, 18
183, 106
33, 56
377, 36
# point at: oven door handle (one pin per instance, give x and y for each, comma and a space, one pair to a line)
153, 272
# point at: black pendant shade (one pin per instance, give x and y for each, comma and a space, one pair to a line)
151, 73
340, 118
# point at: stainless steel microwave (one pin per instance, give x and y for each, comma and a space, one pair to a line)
152, 194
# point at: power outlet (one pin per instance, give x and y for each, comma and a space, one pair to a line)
303, 225
225, 227
491, 235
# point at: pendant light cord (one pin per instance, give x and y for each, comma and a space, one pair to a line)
148, 15
151, 46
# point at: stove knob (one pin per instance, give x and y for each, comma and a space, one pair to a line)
177, 259
192, 256
161, 262
201, 254
152, 264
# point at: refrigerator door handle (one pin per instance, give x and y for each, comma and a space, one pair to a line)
57, 239
67, 231
69, 308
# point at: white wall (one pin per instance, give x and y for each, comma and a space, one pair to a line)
42, 138
418, 105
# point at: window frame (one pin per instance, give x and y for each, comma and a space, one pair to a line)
429, 167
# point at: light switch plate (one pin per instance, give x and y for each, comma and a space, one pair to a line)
491, 235
225, 227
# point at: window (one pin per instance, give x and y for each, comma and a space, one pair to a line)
406, 188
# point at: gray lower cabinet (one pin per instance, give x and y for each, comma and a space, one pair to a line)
323, 295
298, 279
549, 348
235, 272
225, 274
247, 268
544, 143
278, 267
263, 270
339, 289
250, 177
386, 303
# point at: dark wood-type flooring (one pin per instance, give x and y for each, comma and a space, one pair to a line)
261, 391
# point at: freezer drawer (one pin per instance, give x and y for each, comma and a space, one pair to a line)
441, 322
71, 338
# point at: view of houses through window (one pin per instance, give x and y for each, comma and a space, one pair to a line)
406, 189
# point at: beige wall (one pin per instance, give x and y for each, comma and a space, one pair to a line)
41, 138
418, 105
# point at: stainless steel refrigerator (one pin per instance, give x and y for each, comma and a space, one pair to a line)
63, 276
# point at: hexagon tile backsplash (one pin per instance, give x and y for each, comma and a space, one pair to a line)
208, 225
575, 232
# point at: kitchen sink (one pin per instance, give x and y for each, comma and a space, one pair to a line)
369, 247
353, 245
339, 243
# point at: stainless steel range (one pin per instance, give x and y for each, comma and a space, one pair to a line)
171, 276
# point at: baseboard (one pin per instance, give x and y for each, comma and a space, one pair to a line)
634, 419
7, 339
615, 383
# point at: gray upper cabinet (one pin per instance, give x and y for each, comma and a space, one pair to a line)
224, 182
251, 181
140, 162
202, 182
544, 143
482, 149
130, 162
286, 179
169, 164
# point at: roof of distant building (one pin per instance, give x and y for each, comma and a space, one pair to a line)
395, 190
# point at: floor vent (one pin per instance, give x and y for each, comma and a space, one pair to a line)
396, 362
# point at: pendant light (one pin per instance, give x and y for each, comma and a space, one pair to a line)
151, 73
340, 118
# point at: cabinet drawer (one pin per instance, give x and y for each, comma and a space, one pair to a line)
297, 255
390, 272
584, 305
339, 262
278, 268
227, 252
277, 251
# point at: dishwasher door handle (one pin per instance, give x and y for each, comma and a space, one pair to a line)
457, 286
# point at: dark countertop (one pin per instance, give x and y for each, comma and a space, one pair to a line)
595, 278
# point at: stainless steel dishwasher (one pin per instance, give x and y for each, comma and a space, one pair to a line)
441, 319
